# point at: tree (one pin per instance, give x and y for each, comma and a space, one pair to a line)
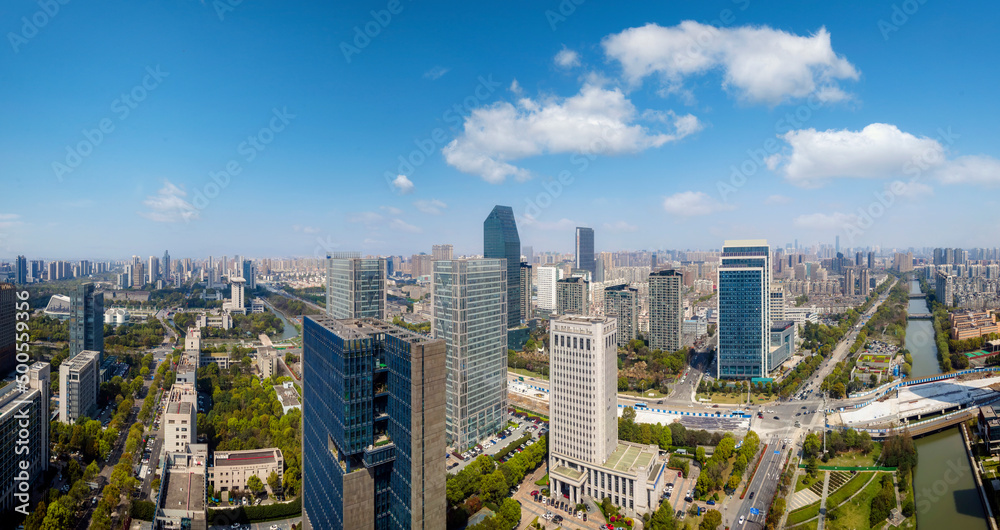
91, 471
494, 487
812, 466
274, 482
628, 414
699, 455
255, 484
734, 481
811, 445
711, 520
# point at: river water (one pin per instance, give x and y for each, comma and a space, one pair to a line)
946, 495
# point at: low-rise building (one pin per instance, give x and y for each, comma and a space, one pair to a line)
267, 361
231, 470
180, 418
180, 501
192, 341
782, 343
288, 397
971, 324
79, 379
221, 320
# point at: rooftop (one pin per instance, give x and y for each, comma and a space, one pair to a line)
185, 490
245, 458
182, 407
628, 457
287, 396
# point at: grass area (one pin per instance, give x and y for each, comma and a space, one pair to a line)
845, 491
852, 459
543, 417
853, 514
544, 481
647, 394
724, 399
804, 481
527, 373
811, 525
803, 514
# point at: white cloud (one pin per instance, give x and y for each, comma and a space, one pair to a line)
778, 199
910, 190
435, 73
620, 226
391, 210
305, 229
822, 221
759, 64
595, 121
9, 220
403, 226
365, 218
567, 58
693, 203
432, 206
879, 151
169, 205
515, 87
403, 184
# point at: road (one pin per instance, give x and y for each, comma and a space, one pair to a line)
494, 449
763, 486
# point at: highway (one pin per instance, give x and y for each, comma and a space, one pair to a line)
762, 487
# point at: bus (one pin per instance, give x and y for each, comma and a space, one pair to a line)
640, 406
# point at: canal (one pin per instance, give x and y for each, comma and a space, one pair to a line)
946, 495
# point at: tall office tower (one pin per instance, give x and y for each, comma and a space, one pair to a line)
373, 422
871, 260
167, 271
548, 275
529, 254
859, 259
441, 252
777, 303
573, 296
837, 248
585, 456
249, 272
79, 379
743, 309
585, 250
652, 262
469, 298
666, 309
939, 258
24, 423
622, 302
86, 320
355, 286
850, 276
21, 271
8, 326
526, 291
153, 272
500, 240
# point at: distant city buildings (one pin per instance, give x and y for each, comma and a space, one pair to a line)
744, 309
469, 313
585, 251
666, 309
79, 379
573, 296
501, 241
355, 286
373, 452
548, 275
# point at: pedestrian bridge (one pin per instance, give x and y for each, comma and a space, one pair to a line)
920, 316
918, 295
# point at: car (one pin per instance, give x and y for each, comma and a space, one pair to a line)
557, 519
666, 495
752, 494
236, 525
741, 519
679, 474
274, 527
777, 418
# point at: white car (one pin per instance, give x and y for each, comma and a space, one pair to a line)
741, 520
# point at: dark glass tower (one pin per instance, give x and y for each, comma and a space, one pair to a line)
500, 240
86, 321
373, 420
585, 251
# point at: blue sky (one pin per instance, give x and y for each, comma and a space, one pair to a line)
660, 124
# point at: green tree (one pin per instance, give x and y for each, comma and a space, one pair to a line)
274, 482
699, 455
255, 484
628, 414
711, 520
494, 487
811, 445
91, 471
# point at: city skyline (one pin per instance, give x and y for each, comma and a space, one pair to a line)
854, 79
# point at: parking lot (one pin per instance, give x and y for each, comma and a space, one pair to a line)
522, 428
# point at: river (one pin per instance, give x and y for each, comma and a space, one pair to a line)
946, 495
289, 330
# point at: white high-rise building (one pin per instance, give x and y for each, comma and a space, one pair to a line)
24, 432
547, 278
79, 379
585, 457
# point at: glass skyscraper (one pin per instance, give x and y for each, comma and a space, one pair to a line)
500, 241
744, 309
373, 418
86, 321
470, 314
585, 251
355, 286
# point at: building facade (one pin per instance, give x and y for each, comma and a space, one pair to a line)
79, 379
86, 320
8, 327
666, 309
525, 294
24, 422
355, 286
622, 303
573, 296
469, 300
231, 470
501, 241
373, 419
585, 251
548, 275
782, 344
743, 309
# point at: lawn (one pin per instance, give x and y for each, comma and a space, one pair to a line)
527, 373
732, 399
853, 485
804, 481
804, 513
651, 393
853, 459
544, 481
854, 513
811, 525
